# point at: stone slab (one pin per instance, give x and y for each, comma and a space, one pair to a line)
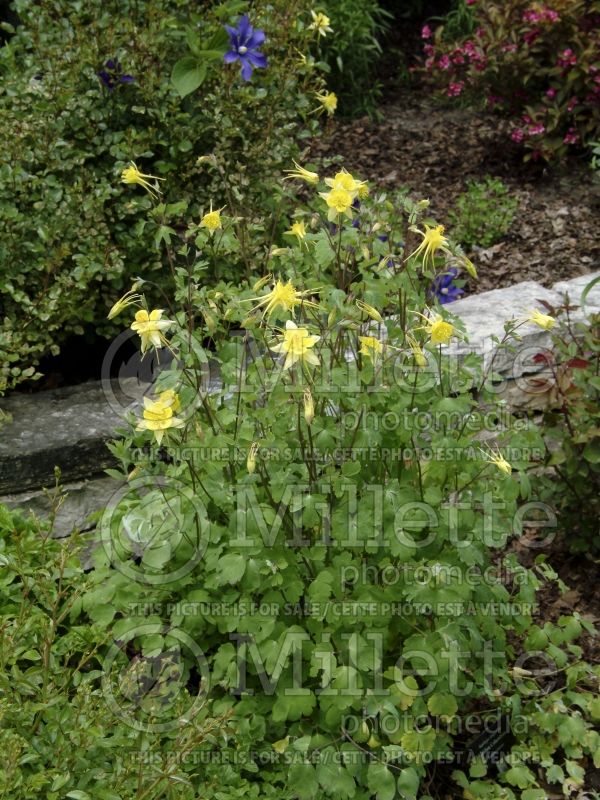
67, 428
83, 498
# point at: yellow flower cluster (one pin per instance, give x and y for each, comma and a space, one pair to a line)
344, 189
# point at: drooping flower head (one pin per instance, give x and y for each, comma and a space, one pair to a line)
543, 321
244, 42
433, 240
302, 174
297, 344
212, 219
129, 298
328, 101
158, 415
443, 289
150, 327
496, 458
111, 75
320, 23
131, 174
284, 296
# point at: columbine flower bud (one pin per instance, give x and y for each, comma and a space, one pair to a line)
309, 407
251, 460
261, 282
369, 310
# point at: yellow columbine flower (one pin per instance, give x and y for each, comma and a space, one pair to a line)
543, 321
298, 230
372, 312
302, 174
370, 347
363, 190
150, 327
320, 23
170, 398
309, 407
129, 298
296, 343
433, 240
339, 201
344, 180
417, 351
212, 220
498, 459
440, 331
328, 101
158, 417
131, 174
285, 296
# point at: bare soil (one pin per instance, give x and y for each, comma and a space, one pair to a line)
435, 150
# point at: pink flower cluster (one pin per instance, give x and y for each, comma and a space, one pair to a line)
538, 129
542, 14
530, 37
425, 32
571, 137
567, 58
454, 89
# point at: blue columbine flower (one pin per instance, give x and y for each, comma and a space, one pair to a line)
111, 75
244, 42
442, 287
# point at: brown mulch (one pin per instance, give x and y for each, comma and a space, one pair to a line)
434, 150
579, 574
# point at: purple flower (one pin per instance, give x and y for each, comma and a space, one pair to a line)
442, 287
111, 75
244, 42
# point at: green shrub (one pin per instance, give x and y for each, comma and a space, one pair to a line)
536, 63
352, 52
322, 520
484, 213
69, 230
58, 734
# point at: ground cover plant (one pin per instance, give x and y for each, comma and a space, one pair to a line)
484, 213
89, 88
537, 63
307, 499
56, 736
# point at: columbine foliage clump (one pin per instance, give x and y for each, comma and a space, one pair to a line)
570, 386
536, 63
484, 213
323, 523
